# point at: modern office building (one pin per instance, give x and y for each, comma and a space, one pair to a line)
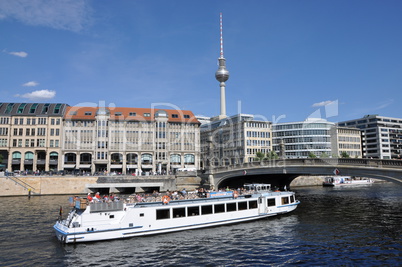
303, 139
130, 140
30, 136
234, 140
346, 142
381, 136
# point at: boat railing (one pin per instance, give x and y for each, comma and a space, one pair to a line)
106, 206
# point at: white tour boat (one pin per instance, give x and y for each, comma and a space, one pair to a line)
345, 180
112, 220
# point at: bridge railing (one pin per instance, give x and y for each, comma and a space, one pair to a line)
280, 163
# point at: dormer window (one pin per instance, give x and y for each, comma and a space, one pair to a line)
88, 113
175, 116
147, 114
118, 114
132, 114
187, 116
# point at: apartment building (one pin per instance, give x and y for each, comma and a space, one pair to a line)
130, 140
234, 140
30, 136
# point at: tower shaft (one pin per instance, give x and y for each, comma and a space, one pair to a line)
222, 74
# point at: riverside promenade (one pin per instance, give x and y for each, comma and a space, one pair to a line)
78, 185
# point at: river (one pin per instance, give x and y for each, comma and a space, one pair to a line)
355, 226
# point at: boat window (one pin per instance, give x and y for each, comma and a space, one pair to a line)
231, 206
111, 216
219, 208
179, 212
163, 214
206, 209
242, 205
252, 204
292, 198
271, 202
285, 200
193, 211
141, 214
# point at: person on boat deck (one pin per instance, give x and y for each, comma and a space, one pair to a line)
97, 197
89, 197
183, 192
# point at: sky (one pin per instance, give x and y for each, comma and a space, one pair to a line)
288, 60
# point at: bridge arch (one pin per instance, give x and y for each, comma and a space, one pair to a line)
282, 172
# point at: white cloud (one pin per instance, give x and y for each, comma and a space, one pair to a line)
72, 15
31, 84
321, 104
19, 54
38, 95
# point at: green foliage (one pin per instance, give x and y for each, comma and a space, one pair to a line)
272, 155
259, 156
324, 155
344, 155
312, 155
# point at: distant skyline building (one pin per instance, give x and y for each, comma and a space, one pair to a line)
222, 75
381, 136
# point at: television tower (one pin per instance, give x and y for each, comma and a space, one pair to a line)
222, 75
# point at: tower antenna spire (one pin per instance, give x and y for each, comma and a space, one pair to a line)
221, 31
222, 75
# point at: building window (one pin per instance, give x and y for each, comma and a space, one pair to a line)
175, 116
132, 114
187, 116
88, 113
147, 114
33, 108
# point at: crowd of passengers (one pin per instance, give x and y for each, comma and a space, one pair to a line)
156, 196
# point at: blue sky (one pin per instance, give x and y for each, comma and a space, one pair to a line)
288, 60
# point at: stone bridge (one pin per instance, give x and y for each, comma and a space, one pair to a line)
281, 172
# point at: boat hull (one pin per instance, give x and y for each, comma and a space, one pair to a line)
89, 227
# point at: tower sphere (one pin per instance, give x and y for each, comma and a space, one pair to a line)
222, 74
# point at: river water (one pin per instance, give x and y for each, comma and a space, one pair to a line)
355, 226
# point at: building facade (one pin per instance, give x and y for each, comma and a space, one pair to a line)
234, 140
130, 140
381, 136
346, 142
30, 136
303, 139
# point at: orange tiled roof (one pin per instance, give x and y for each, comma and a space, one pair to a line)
89, 113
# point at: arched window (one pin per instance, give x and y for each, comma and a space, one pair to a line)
29, 155
16, 155
175, 159
54, 155
146, 159
189, 159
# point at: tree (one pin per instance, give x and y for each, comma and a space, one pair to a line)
344, 155
272, 155
312, 155
259, 156
324, 155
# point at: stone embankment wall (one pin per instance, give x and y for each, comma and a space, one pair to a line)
44, 185
75, 185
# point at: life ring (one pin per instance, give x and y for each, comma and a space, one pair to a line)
165, 199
